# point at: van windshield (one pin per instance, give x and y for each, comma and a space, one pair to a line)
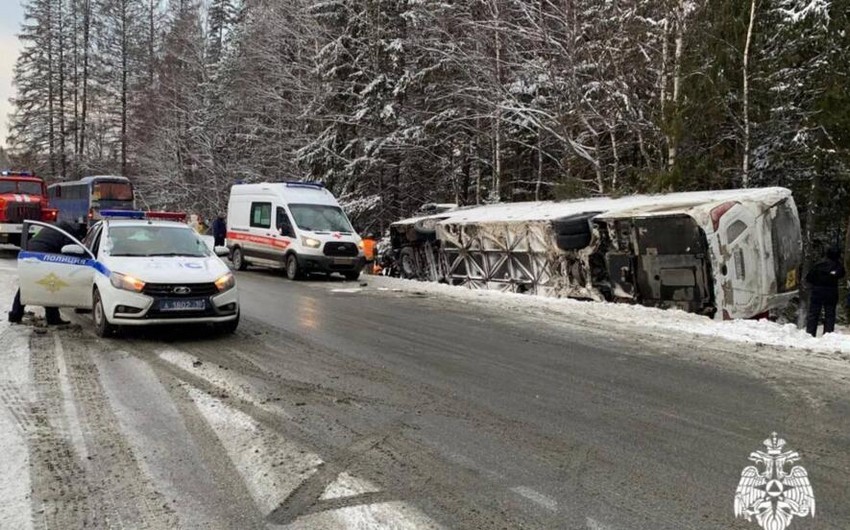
320, 218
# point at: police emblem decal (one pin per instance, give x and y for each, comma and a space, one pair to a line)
771, 495
52, 283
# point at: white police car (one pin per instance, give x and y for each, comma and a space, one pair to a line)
134, 272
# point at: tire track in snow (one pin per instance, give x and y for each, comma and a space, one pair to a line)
16, 424
292, 484
124, 490
62, 496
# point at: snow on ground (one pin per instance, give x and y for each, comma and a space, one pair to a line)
760, 332
275, 468
16, 393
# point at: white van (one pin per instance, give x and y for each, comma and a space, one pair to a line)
295, 226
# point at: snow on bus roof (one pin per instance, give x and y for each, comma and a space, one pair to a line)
686, 202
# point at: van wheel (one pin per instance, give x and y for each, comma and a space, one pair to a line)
101, 324
293, 271
351, 275
238, 259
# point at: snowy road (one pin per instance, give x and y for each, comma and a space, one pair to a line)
340, 406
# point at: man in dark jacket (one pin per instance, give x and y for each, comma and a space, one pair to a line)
219, 230
823, 281
49, 241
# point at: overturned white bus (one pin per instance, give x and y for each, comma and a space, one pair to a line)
725, 254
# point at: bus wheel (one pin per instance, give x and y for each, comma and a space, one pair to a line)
238, 259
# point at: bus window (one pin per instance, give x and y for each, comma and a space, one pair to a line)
112, 191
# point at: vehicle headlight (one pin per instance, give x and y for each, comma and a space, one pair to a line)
226, 282
126, 282
310, 242
360, 245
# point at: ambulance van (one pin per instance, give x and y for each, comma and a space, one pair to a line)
295, 226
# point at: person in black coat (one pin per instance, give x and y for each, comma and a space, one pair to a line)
49, 241
823, 281
219, 230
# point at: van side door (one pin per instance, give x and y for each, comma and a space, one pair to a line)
259, 243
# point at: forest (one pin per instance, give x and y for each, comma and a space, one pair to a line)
396, 103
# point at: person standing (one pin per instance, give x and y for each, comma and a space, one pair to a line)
219, 230
50, 242
823, 281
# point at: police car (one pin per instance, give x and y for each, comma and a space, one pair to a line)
133, 270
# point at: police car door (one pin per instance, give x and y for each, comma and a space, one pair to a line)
56, 279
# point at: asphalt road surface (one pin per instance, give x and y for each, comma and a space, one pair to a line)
340, 406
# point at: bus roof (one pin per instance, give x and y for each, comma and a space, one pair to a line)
93, 178
105, 177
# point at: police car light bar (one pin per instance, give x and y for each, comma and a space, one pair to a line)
299, 184
122, 214
8, 173
170, 216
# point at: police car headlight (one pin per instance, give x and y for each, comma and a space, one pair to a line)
228, 281
310, 242
126, 282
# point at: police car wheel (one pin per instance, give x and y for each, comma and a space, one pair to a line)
101, 325
238, 259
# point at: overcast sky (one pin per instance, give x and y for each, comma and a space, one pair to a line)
11, 15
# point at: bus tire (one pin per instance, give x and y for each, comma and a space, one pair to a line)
407, 267
238, 259
573, 225
574, 242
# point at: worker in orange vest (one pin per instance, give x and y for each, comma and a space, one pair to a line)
369, 244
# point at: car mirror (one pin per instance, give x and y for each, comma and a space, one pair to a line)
221, 251
74, 250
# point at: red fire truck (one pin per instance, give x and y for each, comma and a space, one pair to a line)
23, 196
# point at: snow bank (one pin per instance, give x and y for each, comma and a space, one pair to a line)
760, 332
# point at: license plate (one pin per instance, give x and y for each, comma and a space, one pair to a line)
183, 305
343, 261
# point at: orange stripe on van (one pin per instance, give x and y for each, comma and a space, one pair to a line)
260, 240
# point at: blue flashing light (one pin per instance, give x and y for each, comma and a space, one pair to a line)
9, 173
305, 184
122, 214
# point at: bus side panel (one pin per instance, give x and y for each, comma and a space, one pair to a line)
72, 203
